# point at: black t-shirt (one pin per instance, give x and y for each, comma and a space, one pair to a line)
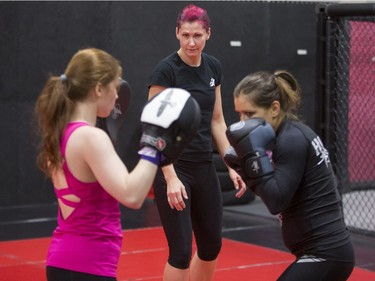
303, 191
200, 82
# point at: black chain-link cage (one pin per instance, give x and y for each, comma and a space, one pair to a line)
346, 73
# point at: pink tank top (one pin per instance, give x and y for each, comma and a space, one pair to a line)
89, 240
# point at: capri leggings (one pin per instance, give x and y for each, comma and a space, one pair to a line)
202, 215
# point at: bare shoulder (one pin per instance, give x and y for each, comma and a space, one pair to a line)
89, 137
87, 148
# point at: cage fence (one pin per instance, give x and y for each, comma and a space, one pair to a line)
349, 101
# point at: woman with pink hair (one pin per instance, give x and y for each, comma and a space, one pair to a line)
188, 193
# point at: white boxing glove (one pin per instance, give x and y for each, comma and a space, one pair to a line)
169, 122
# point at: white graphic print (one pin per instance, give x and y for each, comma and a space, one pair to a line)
165, 102
320, 150
255, 167
116, 112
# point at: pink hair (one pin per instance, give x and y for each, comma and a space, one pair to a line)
192, 13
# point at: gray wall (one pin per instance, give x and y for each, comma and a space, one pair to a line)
38, 38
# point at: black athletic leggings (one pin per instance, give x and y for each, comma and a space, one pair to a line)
59, 274
203, 213
317, 271
310, 267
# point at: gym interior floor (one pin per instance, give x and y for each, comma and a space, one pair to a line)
249, 223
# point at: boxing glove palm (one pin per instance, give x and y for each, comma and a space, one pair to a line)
232, 160
169, 122
250, 139
236, 163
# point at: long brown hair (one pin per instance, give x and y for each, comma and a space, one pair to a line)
263, 88
56, 102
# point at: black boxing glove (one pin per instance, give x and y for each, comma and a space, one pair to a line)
112, 124
250, 140
170, 120
233, 161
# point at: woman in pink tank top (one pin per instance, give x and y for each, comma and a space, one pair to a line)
88, 176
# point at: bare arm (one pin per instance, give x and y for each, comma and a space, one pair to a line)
91, 156
175, 189
219, 128
218, 125
155, 89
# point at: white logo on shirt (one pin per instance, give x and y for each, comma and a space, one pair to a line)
320, 150
212, 82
